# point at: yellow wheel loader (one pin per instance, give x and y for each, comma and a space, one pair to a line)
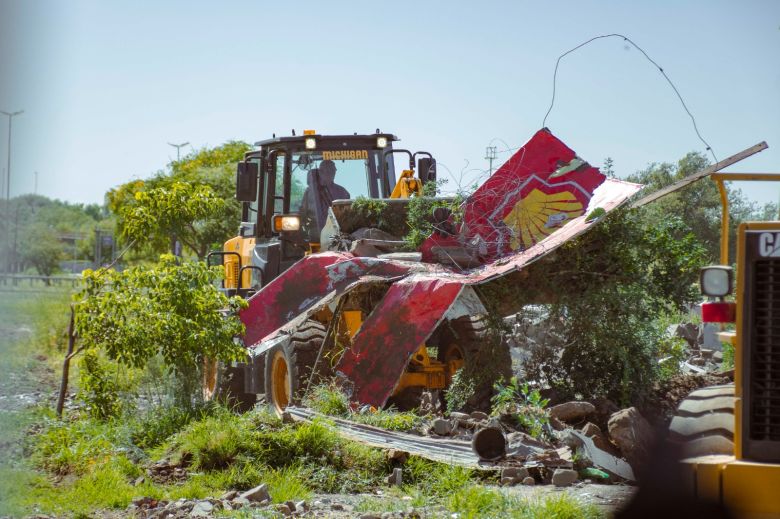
730, 434
297, 195
336, 291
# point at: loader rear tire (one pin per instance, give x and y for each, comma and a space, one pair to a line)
288, 367
225, 384
704, 422
484, 353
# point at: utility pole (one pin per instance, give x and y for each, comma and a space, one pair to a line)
35, 189
11, 116
490, 155
178, 149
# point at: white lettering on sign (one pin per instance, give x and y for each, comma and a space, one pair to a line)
769, 244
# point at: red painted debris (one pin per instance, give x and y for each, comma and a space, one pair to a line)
395, 329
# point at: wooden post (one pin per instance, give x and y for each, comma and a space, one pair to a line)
66, 362
690, 179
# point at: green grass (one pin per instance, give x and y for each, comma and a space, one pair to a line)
330, 400
478, 501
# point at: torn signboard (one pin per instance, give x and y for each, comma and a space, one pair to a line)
541, 198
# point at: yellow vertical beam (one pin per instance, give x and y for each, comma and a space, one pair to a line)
724, 222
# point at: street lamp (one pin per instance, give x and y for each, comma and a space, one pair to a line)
178, 149
9, 257
11, 116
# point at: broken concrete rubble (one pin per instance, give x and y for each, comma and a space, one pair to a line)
257, 494
632, 434
564, 477
572, 412
442, 426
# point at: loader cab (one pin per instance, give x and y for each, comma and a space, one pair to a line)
286, 187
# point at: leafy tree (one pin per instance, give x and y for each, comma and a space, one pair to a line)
211, 168
172, 310
40, 232
171, 210
698, 206
42, 249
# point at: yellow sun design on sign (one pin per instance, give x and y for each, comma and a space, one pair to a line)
539, 214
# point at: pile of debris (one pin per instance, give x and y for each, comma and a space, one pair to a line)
704, 352
572, 447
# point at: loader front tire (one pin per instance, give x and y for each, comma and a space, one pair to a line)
225, 384
288, 366
704, 422
470, 344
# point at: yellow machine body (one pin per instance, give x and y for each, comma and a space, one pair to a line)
243, 247
749, 489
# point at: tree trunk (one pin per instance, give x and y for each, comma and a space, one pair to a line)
66, 363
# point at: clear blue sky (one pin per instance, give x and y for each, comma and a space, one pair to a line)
105, 85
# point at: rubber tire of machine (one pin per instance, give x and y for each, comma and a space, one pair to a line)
465, 336
226, 384
704, 422
298, 356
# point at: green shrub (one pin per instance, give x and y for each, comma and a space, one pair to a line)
526, 405
606, 292
98, 392
460, 391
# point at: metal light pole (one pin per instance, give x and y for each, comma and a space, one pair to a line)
10, 115
178, 149
490, 155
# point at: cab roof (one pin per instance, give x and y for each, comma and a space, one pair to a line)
326, 138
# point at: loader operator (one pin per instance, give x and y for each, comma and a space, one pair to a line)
320, 193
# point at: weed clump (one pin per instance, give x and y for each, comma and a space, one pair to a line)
524, 405
330, 400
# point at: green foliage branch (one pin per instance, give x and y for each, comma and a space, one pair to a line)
419, 216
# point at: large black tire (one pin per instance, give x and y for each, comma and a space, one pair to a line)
704, 422
288, 367
225, 384
484, 352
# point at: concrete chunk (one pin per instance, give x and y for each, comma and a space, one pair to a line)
564, 477
574, 411
257, 494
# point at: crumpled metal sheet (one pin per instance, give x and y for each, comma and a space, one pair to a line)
423, 292
408, 313
444, 450
305, 285
532, 195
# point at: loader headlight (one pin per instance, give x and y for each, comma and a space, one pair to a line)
381, 142
716, 280
310, 143
286, 222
